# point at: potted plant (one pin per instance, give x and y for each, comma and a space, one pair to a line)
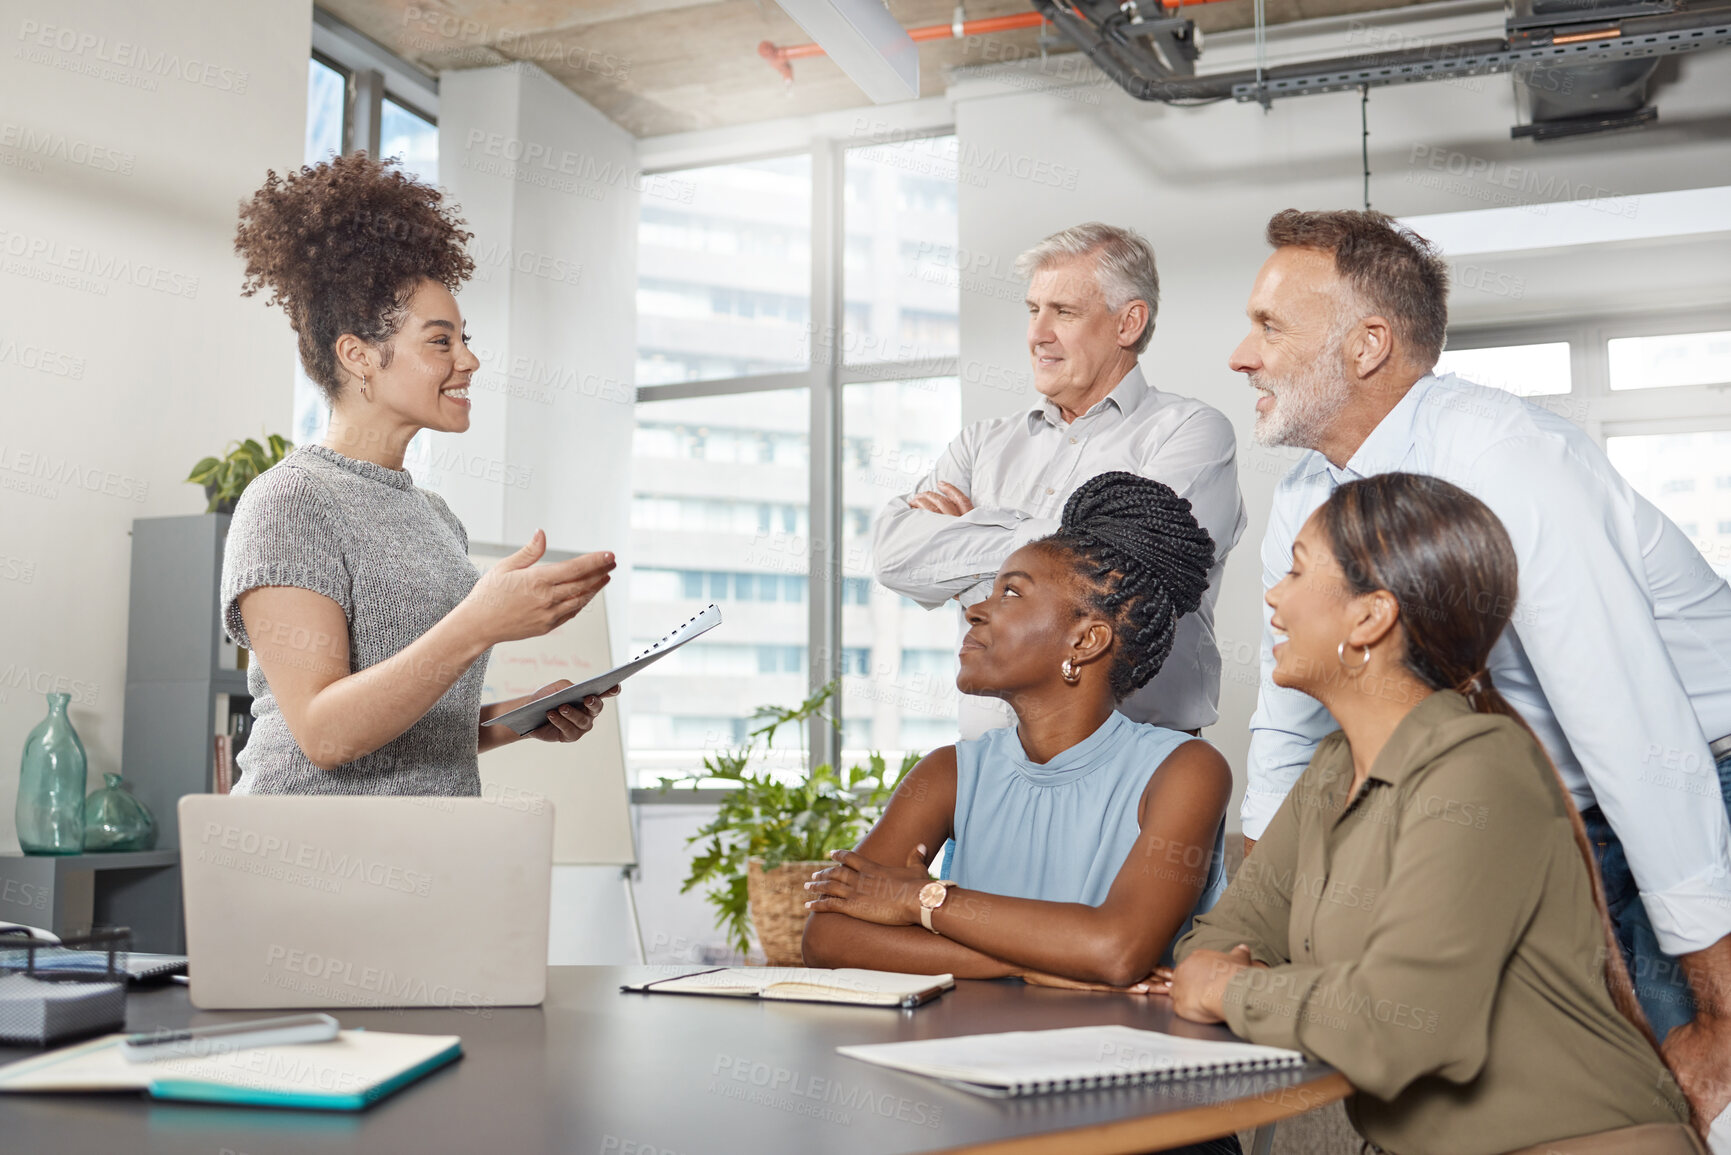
770, 834
225, 477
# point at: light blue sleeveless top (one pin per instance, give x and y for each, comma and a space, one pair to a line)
1060, 831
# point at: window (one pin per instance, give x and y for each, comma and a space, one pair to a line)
1671, 359
412, 139
902, 286
706, 488
1666, 468
722, 459
324, 111
1524, 370
724, 272
897, 426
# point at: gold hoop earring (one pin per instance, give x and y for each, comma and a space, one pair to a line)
1071, 674
1340, 653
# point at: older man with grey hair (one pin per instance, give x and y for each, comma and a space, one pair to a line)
1092, 295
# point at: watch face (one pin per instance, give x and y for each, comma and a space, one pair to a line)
932, 895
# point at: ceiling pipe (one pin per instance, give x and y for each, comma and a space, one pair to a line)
781, 59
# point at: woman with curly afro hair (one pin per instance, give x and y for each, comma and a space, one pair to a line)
368, 625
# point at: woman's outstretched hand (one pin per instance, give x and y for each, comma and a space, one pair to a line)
519, 599
870, 891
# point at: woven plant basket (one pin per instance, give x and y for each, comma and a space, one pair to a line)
778, 899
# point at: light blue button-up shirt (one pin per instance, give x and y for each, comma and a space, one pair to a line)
1618, 654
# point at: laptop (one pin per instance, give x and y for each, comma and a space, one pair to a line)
335, 901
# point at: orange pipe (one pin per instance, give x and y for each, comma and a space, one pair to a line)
779, 57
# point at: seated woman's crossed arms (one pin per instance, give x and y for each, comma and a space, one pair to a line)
1084, 842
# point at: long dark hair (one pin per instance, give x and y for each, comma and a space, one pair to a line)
1449, 563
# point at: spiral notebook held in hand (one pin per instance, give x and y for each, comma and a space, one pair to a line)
534, 715
1018, 1063
860, 988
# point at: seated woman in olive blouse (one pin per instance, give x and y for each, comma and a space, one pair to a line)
369, 627
1423, 912
1084, 842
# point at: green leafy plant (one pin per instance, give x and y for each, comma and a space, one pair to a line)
766, 817
225, 477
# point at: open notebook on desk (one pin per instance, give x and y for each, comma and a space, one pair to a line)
861, 988
1069, 1059
350, 1072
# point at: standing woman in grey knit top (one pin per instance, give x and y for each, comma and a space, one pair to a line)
369, 627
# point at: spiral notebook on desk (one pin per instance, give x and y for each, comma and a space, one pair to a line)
1017, 1063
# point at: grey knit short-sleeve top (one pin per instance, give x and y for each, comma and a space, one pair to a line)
396, 559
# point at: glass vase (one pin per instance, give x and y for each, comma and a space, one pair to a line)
115, 820
51, 785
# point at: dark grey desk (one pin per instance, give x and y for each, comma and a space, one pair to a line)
597, 1072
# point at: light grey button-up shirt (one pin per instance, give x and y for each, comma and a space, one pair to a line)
1618, 654
1020, 470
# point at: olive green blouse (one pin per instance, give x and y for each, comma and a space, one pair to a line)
1435, 939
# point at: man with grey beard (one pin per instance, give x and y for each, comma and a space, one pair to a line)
1618, 654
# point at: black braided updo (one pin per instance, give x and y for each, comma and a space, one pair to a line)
1143, 561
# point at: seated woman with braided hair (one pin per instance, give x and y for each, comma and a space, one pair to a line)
1085, 842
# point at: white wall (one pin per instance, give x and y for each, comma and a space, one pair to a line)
128, 136
1201, 183
549, 187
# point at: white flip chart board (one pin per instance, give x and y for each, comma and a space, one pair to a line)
585, 780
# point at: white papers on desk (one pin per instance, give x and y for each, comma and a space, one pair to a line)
1069, 1059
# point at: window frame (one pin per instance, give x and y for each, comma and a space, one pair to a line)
1591, 403
371, 73
826, 376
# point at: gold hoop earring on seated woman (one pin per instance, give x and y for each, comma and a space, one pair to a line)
1340, 652
1072, 675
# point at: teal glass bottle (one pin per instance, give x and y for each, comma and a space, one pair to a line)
51, 785
115, 820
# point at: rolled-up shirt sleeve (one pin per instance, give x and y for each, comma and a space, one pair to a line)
1287, 723
933, 557
1585, 622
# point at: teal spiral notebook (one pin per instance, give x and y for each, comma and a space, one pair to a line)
349, 1073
